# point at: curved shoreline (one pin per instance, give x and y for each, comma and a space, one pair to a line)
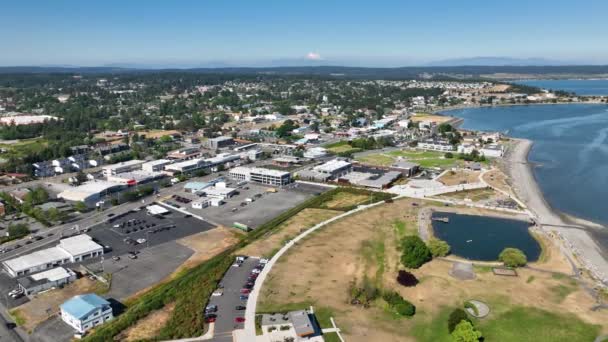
573, 232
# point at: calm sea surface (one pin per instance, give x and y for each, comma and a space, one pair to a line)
580, 87
483, 238
570, 150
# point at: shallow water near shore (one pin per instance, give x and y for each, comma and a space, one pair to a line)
570, 151
483, 238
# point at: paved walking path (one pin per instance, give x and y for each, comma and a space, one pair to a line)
249, 332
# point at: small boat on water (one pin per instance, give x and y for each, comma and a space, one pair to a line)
469, 241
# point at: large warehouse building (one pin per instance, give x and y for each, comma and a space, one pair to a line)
260, 175
74, 249
91, 192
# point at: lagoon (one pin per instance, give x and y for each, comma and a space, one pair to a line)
483, 238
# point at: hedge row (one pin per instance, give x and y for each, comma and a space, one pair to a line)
191, 290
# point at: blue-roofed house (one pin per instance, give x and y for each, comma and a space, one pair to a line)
86, 311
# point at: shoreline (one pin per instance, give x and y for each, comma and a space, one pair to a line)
573, 231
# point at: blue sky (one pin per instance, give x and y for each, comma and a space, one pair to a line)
257, 32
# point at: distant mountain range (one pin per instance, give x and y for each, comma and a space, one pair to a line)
497, 61
470, 71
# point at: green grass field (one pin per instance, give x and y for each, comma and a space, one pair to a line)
516, 324
426, 159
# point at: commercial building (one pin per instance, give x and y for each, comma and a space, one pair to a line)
333, 169
156, 209
219, 142
194, 187
74, 249
186, 166
408, 169
156, 165
315, 153
43, 281
84, 312
260, 175
136, 177
436, 145
91, 192
127, 166
185, 153
492, 151
219, 191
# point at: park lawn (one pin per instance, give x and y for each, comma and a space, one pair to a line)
517, 324
376, 159
435, 162
25, 147
521, 323
416, 154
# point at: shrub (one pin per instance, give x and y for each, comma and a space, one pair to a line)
399, 304
449, 155
465, 332
439, 248
405, 278
456, 316
414, 253
513, 257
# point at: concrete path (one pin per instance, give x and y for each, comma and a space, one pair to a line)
249, 332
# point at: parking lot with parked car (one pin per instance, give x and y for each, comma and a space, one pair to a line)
256, 203
226, 307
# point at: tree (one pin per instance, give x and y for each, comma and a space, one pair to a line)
449, 155
80, 207
414, 253
439, 248
513, 257
406, 278
465, 332
456, 316
19, 229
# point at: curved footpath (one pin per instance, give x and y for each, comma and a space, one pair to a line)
248, 334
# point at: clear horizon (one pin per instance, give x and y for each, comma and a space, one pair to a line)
277, 33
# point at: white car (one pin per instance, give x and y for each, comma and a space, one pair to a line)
263, 261
255, 270
236, 264
217, 293
141, 240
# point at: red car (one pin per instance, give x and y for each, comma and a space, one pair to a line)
210, 319
239, 320
245, 291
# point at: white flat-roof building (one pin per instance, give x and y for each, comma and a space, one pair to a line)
436, 146
156, 165
492, 151
334, 168
187, 166
260, 175
91, 192
156, 209
126, 166
48, 279
73, 249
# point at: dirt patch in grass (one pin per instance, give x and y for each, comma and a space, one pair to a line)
456, 177
418, 117
475, 195
43, 305
148, 327
286, 231
345, 199
208, 244
365, 245
497, 179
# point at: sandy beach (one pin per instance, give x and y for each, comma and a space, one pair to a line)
573, 231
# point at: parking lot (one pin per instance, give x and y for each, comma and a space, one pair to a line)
265, 206
155, 230
234, 280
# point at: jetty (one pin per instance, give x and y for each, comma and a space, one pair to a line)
441, 219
